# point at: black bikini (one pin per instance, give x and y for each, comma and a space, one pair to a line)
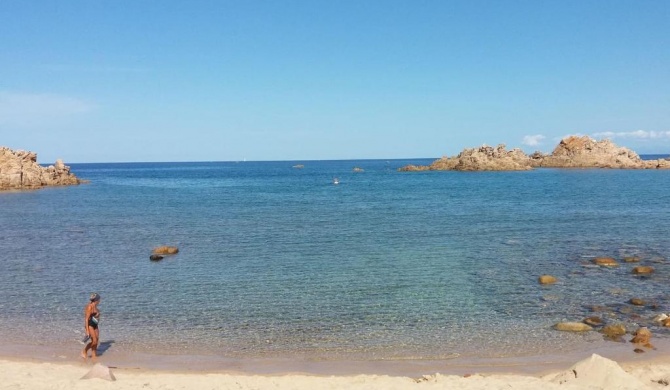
93, 321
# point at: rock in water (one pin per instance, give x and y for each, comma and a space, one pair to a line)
593, 321
614, 330
572, 327
643, 270
605, 262
547, 279
19, 170
642, 336
585, 152
100, 371
155, 257
166, 250
571, 152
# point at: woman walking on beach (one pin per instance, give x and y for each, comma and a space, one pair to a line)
91, 318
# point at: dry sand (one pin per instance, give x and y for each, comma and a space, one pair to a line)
594, 372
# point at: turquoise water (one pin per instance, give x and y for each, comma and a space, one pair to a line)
278, 261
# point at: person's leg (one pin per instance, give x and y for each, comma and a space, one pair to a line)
95, 337
88, 346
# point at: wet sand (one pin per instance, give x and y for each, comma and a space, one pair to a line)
622, 352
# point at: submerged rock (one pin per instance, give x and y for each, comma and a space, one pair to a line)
643, 270
593, 321
547, 279
414, 168
155, 257
637, 302
613, 330
599, 309
605, 262
572, 327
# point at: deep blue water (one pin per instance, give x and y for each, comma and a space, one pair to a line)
279, 261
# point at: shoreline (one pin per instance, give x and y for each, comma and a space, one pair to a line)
204, 364
593, 371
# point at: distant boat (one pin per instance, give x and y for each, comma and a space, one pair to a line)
336, 181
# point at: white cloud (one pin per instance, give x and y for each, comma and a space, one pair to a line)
532, 140
31, 108
639, 134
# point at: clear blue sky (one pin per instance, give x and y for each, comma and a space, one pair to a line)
103, 81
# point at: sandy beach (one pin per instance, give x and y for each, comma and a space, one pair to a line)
592, 373
619, 370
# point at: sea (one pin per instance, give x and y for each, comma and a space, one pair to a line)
277, 261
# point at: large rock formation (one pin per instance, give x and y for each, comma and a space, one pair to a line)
484, 158
571, 152
19, 170
585, 152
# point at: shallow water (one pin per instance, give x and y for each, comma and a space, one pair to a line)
277, 262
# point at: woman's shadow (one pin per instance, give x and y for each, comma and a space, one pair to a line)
103, 346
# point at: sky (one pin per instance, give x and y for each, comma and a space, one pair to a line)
115, 81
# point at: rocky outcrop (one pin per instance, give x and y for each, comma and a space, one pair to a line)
484, 158
19, 170
585, 152
571, 152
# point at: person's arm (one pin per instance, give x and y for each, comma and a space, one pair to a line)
87, 313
